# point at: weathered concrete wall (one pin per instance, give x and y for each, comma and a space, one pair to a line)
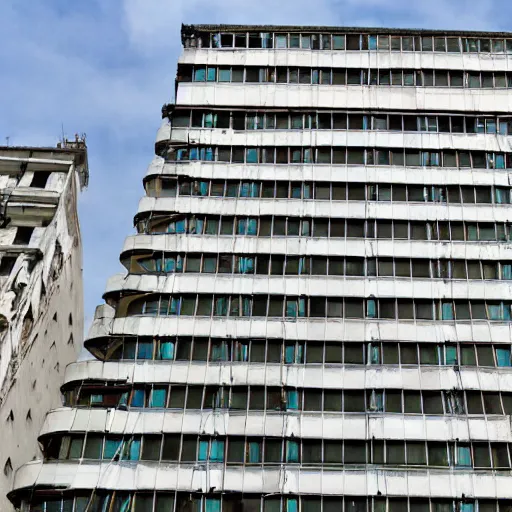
42, 302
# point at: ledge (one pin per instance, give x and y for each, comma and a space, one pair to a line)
306, 425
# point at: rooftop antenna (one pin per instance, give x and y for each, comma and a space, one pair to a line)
7, 139
62, 131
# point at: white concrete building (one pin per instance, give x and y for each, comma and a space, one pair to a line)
41, 295
317, 306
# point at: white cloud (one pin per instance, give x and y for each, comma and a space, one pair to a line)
155, 24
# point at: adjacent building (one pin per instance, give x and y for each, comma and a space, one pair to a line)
41, 295
316, 308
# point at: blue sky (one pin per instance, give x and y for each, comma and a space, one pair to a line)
105, 67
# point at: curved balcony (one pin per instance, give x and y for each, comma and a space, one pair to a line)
301, 246
305, 425
356, 138
285, 479
307, 329
269, 95
333, 209
325, 286
349, 59
332, 173
294, 376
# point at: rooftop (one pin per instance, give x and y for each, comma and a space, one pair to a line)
190, 29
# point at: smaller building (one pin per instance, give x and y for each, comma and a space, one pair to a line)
41, 292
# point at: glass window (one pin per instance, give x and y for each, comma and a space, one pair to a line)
281, 41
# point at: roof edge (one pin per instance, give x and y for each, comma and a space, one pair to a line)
192, 28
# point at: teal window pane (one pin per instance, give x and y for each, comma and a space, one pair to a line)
221, 306
292, 505
371, 308
211, 74
225, 75
494, 312
302, 307
203, 451
292, 400
254, 190
213, 505
252, 156
246, 306
375, 354
291, 308
338, 42
503, 357
203, 188
132, 450
138, 398
75, 451
166, 350
244, 190
220, 352
182, 155
472, 232
254, 452
376, 402
292, 451
217, 451
463, 456
281, 41
209, 120
112, 447
246, 265
207, 154
252, 227
199, 74
451, 355
174, 306
145, 350
447, 311
499, 195
241, 352
289, 354
180, 226
158, 397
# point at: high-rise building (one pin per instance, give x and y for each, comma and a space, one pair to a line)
41, 295
317, 305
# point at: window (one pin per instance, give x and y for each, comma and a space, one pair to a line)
23, 235
40, 179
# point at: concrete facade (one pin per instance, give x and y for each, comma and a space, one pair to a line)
316, 309
41, 297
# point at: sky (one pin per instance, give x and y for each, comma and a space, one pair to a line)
106, 67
